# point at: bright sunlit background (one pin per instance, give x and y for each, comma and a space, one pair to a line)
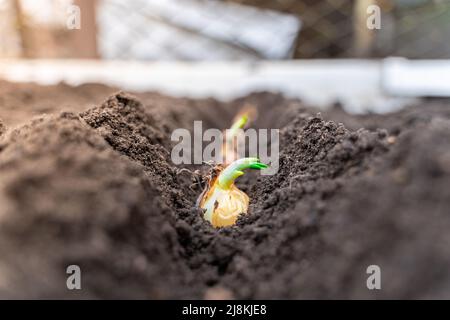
318, 50
214, 29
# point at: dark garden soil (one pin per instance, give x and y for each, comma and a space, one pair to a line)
92, 183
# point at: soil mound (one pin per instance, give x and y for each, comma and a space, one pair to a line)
68, 198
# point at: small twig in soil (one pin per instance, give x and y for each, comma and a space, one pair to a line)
195, 175
293, 179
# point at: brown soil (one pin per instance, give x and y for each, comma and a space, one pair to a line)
94, 186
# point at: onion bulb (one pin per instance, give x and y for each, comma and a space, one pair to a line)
222, 201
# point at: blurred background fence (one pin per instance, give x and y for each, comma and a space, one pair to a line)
224, 30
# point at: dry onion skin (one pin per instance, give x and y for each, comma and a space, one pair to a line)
222, 201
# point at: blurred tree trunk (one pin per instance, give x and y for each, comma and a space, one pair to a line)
25, 37
363, 36
85, 39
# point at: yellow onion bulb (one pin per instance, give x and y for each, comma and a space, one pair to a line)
222, 201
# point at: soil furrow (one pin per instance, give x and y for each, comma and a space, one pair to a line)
96, 187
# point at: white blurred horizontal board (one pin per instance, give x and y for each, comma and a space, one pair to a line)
354, 83
416, 78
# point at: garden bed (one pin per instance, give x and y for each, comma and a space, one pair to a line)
91, 183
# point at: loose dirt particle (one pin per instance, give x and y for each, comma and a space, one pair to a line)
218, 293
